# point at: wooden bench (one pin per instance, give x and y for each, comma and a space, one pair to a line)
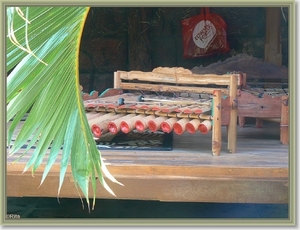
269, 103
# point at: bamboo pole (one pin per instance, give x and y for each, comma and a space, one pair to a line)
100, 128
154, 125
193, 125
205, 127
114, 126
142, 123
100, 117
168, 125
180, 126
129, 124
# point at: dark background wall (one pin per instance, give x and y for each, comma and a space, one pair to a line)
126, 38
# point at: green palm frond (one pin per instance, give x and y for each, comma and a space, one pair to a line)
42, 54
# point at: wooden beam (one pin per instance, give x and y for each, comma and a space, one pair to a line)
169, 188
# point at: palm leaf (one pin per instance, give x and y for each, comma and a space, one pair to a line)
42, 55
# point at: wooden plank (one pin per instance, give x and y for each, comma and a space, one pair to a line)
160, 188
267, 106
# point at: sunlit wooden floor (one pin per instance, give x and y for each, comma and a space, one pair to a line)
257, 173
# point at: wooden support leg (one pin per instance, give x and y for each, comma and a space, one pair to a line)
244, 83
259, 123
284, 122
216, 132
241, 121
232, 133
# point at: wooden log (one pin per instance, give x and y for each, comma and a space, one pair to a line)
155, 124
193, 125
205, 126
193, 79
180, 126
114, 126
216, 132
167, 126
129, 124
142, 123
100, 128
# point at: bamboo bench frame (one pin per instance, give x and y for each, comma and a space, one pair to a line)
224, 106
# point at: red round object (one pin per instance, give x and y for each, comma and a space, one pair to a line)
203, 129
178, 129
96, 130
165, 127
139, 126
125, 127
190, 128
112, 128
152, 126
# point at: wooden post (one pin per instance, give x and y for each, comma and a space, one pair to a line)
232, 132
217, 131
273, 39
117, 80
284, 123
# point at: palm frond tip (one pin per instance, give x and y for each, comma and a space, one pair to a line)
42, 55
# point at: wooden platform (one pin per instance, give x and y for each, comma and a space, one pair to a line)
256, 173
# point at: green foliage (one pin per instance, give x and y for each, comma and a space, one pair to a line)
42, 58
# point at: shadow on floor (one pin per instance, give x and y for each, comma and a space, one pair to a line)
38, 207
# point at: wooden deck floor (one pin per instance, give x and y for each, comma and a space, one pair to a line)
257, 173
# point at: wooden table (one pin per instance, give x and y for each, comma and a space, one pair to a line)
257, 173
